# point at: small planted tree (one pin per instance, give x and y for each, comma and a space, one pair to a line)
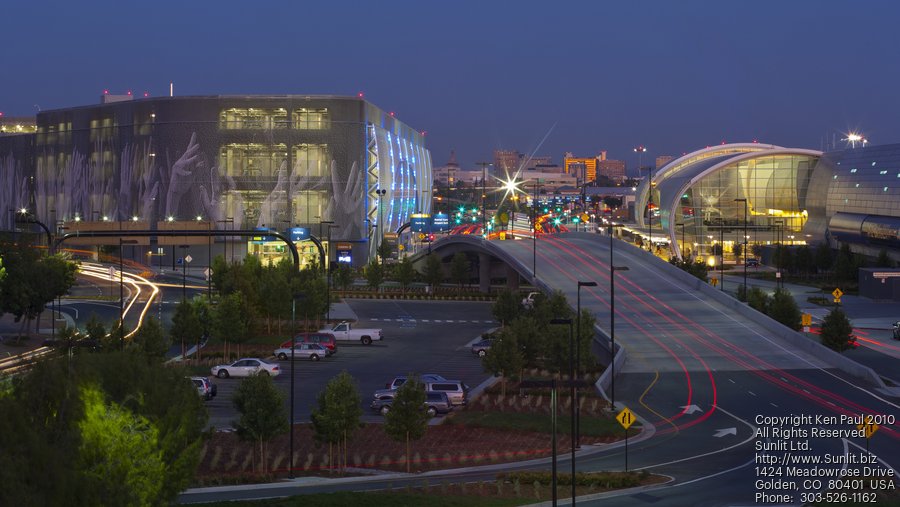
434, 274
262, 414
234, 318
459, 269
506, 307
407, 420
784, 309
337, 415
150, 340
342, 276
405, 273
504, 359
758, 299
95, 331
374, 274
186, 327
837, 333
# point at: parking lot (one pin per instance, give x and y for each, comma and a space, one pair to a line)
419, 337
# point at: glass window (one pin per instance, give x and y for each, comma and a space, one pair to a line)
311, 119
253, 118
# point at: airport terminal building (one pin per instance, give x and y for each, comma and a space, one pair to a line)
774, 195
242, 162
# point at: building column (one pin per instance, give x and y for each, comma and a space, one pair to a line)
484, 273
512, 278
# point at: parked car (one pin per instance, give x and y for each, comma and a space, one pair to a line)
435, 403
752, 263
345, 332
326, 340
480, 348
311, 351
206, 389
897, 330
425, 377
245, 368
456, 390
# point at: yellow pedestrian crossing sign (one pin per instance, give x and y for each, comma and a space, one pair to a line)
626, 418
837, 293
868, 425
806, 319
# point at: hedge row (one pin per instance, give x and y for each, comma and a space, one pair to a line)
608, 480
423, 297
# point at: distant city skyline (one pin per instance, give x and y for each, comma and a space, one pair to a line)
672, 76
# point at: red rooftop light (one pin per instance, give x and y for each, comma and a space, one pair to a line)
129, 92
105, 92
360, 94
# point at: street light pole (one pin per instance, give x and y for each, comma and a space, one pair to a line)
183, 272
122, 292
612, 315
640, 150
572, 395
744, 249
578, 361
327, 269
483, 197
722, 258
380, 192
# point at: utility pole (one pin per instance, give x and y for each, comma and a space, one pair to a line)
484, 166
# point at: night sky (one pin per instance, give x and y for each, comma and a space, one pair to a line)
673, 75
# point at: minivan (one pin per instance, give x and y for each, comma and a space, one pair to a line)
456, 390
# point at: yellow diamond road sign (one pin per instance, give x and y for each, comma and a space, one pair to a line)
837, 293
626, 418
869, 426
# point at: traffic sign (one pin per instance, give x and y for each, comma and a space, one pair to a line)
626, 418
714, 281
112, 271
868, 425
207, 273
188, 259
806, 319
837, 293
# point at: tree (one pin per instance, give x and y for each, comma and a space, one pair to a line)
504, 358
342, 276
506, 307
337, 415
837, 332
150, 341
459, 269
845, 264
784, 309
374, 274
804, 260
31, 281
737, 250
186, 327
118, 457
528, 337
584, 342
883, 260
405, 273
109, 429
434, 273
234, 318
823, 257
407, 420
262, 414
758, 299
95, 331
385, 250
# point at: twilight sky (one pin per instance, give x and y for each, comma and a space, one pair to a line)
674, 75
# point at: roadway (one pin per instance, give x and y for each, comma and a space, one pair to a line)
699, 373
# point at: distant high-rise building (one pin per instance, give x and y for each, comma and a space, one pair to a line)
601, 156
506, 161
585, 169
612, 169
663, 160
449, 172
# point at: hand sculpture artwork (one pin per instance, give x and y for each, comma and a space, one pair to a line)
181, 176
347, 201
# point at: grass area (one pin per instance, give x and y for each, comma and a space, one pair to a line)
345, 499
590, 426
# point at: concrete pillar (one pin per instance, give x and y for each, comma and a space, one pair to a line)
484, 273
512, 278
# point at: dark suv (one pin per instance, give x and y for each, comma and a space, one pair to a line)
435, 403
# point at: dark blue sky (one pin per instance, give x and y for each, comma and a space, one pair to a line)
674, 75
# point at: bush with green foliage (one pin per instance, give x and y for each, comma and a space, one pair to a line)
105, 429
337, 415
837, 332
784, 309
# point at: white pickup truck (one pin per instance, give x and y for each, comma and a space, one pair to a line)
345, 332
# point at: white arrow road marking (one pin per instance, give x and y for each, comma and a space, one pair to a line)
690, 409
725, 431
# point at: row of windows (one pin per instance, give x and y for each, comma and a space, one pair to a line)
270, 119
